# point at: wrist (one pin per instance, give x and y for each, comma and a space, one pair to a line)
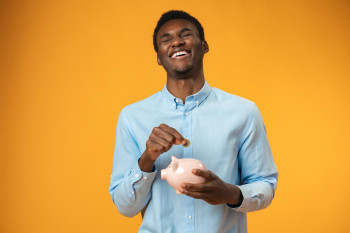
234, 197
145, 163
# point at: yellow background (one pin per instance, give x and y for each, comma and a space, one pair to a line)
69, 67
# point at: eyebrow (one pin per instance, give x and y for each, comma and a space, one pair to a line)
164, 35
182, 31
185, 30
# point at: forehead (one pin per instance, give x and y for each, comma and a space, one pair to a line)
176, 25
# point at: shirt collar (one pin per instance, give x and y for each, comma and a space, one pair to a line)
198, 97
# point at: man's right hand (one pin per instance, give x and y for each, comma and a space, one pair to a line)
161, 140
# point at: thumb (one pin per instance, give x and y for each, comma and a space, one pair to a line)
181, 141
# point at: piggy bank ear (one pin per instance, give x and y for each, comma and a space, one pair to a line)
174, 163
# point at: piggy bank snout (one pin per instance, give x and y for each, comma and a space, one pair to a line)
163, 174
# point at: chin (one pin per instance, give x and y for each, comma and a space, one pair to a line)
184, 71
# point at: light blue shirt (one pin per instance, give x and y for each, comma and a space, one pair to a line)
227, 134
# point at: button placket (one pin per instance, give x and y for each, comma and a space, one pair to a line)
187, 153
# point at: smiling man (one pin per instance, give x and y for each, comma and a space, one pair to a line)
227, 134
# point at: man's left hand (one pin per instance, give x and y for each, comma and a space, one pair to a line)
213, 190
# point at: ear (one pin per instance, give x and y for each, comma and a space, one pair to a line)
174, 163
159, 61
205, 46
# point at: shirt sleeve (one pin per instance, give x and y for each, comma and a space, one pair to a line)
259, 174
130, 188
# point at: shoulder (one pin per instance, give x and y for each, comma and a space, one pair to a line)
143, 105
244, 109
231, 100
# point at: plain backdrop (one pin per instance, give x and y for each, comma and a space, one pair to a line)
69, 67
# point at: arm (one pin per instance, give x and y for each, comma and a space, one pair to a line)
133, 173
129, 186
258, 174
258, 171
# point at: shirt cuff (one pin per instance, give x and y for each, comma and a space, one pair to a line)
140, 178
246, 199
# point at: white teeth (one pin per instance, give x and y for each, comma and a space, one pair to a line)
179, 54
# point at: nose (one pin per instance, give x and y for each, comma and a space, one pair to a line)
177, 41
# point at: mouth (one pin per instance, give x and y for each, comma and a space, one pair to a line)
180, 54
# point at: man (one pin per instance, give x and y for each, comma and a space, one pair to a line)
226, 133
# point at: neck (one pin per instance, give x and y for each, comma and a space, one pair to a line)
186, 86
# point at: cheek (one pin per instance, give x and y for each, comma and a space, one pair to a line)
161, 57
163, 53
199, 53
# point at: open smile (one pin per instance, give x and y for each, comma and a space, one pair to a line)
180, 54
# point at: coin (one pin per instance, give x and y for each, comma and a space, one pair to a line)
188, 143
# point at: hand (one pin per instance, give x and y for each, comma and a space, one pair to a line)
213, 190
161, 140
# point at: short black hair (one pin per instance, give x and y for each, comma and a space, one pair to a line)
176, 14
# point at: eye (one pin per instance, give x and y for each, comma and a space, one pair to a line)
186, 34
166, 40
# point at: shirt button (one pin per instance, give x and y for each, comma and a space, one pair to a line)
197, 102
177, 101
190, 217
186, 113
137, 175
132, 193
145, 178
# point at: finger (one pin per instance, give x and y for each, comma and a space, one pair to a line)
163, 134
207, 174
194, 187
161, 141
193, 194
179, 139
155, 147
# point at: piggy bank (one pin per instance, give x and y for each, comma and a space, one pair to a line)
180, 171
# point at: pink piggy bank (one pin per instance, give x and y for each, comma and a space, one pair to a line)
180, 171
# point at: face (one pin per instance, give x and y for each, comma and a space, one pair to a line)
180, 50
